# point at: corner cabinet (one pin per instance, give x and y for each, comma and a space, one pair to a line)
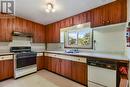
40, 62
38, 33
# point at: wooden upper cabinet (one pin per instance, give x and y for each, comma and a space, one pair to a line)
53, 33
112, 13
49, 33
19, 24
56, 32
66, 22
39, 33
81, 18
6, 28
23, 25
117, 11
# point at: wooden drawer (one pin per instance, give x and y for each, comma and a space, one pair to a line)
39, 54
66, 57
8, 57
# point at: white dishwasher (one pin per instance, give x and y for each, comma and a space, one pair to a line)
101, 73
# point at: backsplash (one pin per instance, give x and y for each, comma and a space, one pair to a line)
21, 41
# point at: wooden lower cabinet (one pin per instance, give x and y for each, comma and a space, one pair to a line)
56, 65
79, 72
6, 69
66, 68
40, 62
48, 63
73, 70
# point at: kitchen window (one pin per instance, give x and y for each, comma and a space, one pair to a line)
78, 37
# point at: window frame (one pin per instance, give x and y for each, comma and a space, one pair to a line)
66, 39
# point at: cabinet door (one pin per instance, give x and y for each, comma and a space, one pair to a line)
79, 72
6, 28
66, 68
97, 17
48, 63
40, 62
66, 22
117, 11
56, 33
39, 34
81, 18
19, 24
56, 65
1, 70
6, 69
49, 33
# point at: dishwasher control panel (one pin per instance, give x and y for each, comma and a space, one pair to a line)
109, 64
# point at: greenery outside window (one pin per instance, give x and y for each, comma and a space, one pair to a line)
78, 38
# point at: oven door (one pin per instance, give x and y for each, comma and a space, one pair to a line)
24, 61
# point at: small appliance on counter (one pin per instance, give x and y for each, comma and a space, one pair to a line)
24, 61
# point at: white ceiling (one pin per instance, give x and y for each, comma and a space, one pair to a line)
35, 9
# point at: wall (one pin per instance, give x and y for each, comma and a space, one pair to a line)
128, 9
110, 39
21, 41
128, 49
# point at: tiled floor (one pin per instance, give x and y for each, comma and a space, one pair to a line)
40, 79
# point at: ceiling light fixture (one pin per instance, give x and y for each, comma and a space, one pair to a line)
50, 7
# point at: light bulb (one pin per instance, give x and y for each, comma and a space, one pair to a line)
49, 6
47, 10
53, 10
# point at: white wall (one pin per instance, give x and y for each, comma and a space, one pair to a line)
110, 40
128, 9
128, 49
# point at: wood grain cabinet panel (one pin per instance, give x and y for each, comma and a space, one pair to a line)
6, 69
48, 63
81, 18
66, 22
79, 72
117, 11
6, 28
40, 62
66, 68
112, 13
39, 34
56, 65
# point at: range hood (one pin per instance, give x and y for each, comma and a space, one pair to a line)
22, 34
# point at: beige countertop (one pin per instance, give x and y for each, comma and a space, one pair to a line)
6, 53
82, 54
92, 54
